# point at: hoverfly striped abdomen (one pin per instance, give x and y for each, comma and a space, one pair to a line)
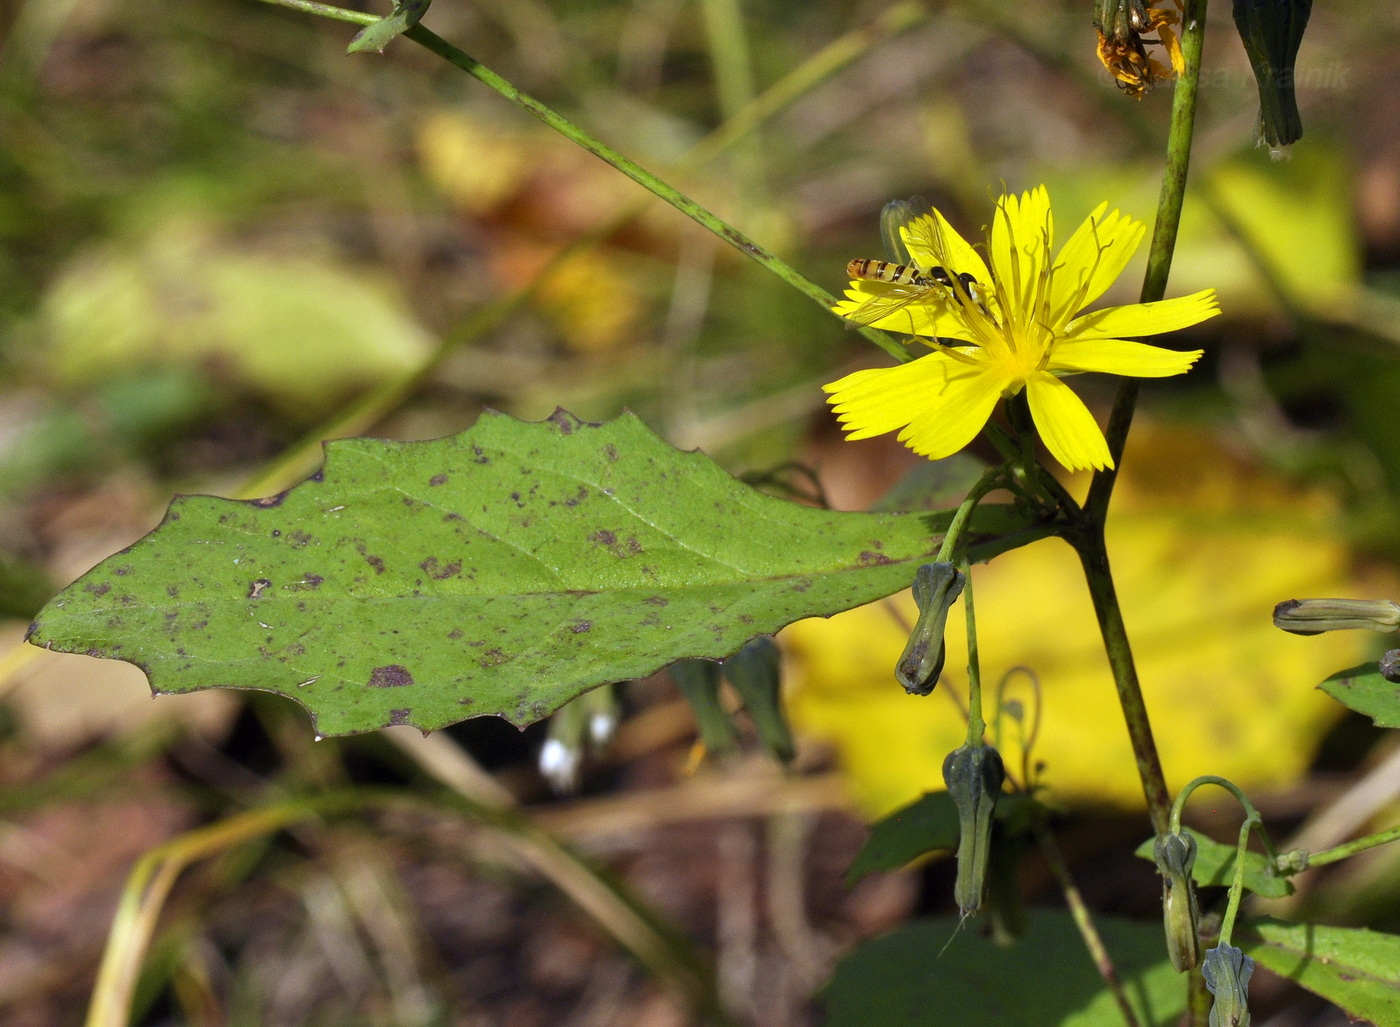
887, 271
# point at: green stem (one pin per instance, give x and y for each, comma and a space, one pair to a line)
991, 478
1164, 230
976, 725
1232, 907
1089, 539
1351, 848
1093, 557
700, 215
1084, 921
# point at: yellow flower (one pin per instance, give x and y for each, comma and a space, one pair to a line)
1122, 50
1019, 326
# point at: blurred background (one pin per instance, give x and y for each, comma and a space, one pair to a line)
224, 240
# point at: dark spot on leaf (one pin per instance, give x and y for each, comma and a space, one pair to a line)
319, 475
300, 538
200, 625
578, 627
312, 580
98, 589
578, 497
564, 421
466, 700
397, 717
374, 561
172, 591
391, 676
438, 479
452, 517
441, 572
256, 589
878, 559
480, 454
657, 601
276, 500
802, 586
610, 451
409, 501
603, 537
455, 634
276, 532
493, 658
122, 571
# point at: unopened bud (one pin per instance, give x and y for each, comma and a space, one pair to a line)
698, 681
974, 775
936, 587
1175, 855
1314, 616
1272, 31
1227, 971
754, 673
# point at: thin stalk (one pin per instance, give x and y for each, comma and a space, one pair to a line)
1351, 848
664, 190
976, 725
363, 412
991, 478
1084, 921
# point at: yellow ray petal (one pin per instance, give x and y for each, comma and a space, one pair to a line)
1144, 318
879, 400
1119, 356
962, 408
1093, 257
1065, 424
1022, 234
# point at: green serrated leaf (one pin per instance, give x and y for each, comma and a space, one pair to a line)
908, 979
376, 37
1356, 969
1364, 690
501, 571
1215, 867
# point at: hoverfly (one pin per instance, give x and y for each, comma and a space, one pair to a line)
908, 281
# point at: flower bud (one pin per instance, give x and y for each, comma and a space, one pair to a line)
698, 681
1314, 616
1227, 971
1175, 855
1272, 31
753, 671
936, 587
974, 775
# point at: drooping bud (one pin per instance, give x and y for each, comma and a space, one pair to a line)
698, 681
936, 587
1272, 31
754, 673
1314, 616
974, 775
561, 756
1175, 855
1227, 971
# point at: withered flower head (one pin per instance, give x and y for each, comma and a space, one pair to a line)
1125, 28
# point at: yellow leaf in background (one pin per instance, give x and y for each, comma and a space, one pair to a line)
1202, 549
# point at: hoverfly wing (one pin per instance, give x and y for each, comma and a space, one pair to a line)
896, 215
879, 307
